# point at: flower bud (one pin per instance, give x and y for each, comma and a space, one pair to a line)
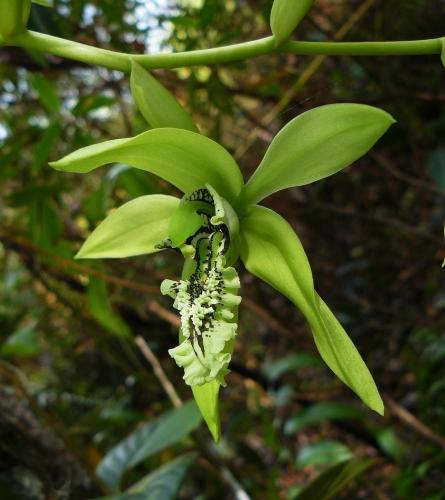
14, 16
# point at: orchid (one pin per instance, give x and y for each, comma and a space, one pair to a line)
218, 222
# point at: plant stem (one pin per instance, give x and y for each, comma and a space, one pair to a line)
237, 52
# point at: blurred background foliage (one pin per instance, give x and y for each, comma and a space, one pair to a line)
73, 382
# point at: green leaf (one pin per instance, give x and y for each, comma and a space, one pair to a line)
132, 229
442, 56
156, 104
272, 251
316, 144
102, 310
334, 480
324, 452
186, 159
150, 438
22, 343
436, 167
321, 412
47, 93
274, 369
163, 483
44, 3
45, 145
206, 397
286, 15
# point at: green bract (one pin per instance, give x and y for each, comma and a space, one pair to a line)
218, 220
286, 15
13, 17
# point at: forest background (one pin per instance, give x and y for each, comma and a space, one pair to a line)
76, 375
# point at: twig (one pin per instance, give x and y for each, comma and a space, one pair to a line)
210, 453
302, 80
413, 422
159, 372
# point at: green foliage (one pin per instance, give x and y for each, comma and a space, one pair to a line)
335, 479
97, 387
149, 439
163, 482
321, 412
322, 453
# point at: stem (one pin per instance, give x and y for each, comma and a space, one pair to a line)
237, 52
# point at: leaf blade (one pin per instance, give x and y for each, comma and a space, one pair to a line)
152, 437
315, 145
156, 104
186, 159
132, 229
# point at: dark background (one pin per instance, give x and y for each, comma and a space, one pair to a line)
72, 387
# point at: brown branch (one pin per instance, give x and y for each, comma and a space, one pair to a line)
411, 421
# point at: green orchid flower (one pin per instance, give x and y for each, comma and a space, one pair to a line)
219, 222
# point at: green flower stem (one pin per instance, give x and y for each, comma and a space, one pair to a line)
237, 52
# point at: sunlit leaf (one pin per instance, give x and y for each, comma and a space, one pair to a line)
155, 102
132, 229
334, 480
272, 251
316, 144
286, 15
152, 437
186, 159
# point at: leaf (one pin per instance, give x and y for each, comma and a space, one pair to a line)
163, 483
45, 145
286, 15
324, 452
102, 310
150, 438
156, 104
187, 160
132, 229
436, 167
334, 480
272, 251
321, 412
22, 343
442, 55
45, 3
274, 369
206, 397
47, 93
316, 144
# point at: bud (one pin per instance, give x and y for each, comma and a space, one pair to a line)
14, 16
